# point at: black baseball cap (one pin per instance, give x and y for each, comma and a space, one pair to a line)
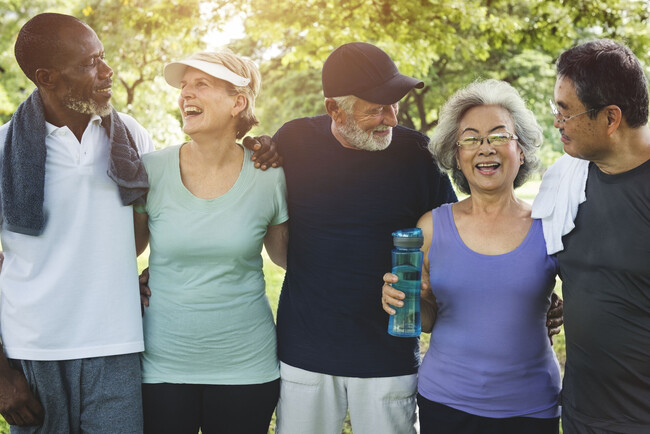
367, 72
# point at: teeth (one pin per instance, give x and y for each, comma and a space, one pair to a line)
192, 110
106, 89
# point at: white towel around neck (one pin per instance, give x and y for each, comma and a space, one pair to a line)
561, 192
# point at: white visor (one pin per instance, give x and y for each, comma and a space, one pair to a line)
174, 72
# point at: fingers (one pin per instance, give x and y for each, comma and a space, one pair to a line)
390, 278
555, 315
19, 405
30, 415
251, 143
554, 323
554, 331
391, 296
145, 292
144, 276
265, 159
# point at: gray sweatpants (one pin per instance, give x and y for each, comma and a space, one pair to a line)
95, 395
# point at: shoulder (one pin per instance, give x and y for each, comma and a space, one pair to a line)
409, 136
426, 221
270, 179
305, 124
156, 159
141, 136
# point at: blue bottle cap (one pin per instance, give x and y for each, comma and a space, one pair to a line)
408, 238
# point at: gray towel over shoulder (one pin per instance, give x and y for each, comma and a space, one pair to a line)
23, 166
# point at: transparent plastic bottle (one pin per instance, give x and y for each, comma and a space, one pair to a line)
407, 265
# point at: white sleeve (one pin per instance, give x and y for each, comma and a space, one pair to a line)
142, 138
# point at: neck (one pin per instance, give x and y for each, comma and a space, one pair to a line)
489, 203
61, 116
339, 137
212, 151
630, 148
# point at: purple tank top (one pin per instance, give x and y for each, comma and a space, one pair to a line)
489, 353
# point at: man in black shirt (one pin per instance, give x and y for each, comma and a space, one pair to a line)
601, 111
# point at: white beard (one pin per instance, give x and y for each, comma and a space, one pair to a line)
86, 107
365, 141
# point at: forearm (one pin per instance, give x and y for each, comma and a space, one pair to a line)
276, 242
428, 314
141, 229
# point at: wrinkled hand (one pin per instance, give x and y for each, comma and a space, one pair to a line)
145, 292
18, 405
265, 153
391, 296
555, 316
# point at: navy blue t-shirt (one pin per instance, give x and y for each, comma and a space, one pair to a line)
343, 206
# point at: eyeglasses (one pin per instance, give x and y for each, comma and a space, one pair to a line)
560, 117
496, 139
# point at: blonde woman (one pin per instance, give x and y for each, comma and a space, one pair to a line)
210, 361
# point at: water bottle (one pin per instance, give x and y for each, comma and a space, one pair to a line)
407, 265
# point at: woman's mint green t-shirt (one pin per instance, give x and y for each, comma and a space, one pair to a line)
209, 321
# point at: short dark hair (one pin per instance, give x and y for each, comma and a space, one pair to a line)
605, 72
38, 44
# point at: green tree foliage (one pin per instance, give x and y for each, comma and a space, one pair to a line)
140, 37
14, 86
448, 43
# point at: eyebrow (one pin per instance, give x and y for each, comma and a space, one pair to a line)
476, 131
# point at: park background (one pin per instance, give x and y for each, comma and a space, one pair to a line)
446, 43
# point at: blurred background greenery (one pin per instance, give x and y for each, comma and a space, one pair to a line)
447, 43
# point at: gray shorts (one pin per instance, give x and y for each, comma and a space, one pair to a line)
95, 395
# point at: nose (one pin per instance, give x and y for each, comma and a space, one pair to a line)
186, 92
486, 148
390, 115
105, 70
557, 123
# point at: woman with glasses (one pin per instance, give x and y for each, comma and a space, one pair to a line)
490, 367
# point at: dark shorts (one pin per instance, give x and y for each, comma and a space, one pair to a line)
94, 395
436, 418
184, 408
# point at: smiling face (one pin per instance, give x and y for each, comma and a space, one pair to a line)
580, 135
85, 77
369, 126
488, 167
206, 104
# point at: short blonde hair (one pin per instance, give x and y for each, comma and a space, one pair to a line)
246, 68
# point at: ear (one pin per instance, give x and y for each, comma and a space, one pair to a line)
614, 118
337, 114
240, 105
46, 78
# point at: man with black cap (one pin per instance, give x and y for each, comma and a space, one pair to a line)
371, 177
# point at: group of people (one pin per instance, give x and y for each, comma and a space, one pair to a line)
82, 194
